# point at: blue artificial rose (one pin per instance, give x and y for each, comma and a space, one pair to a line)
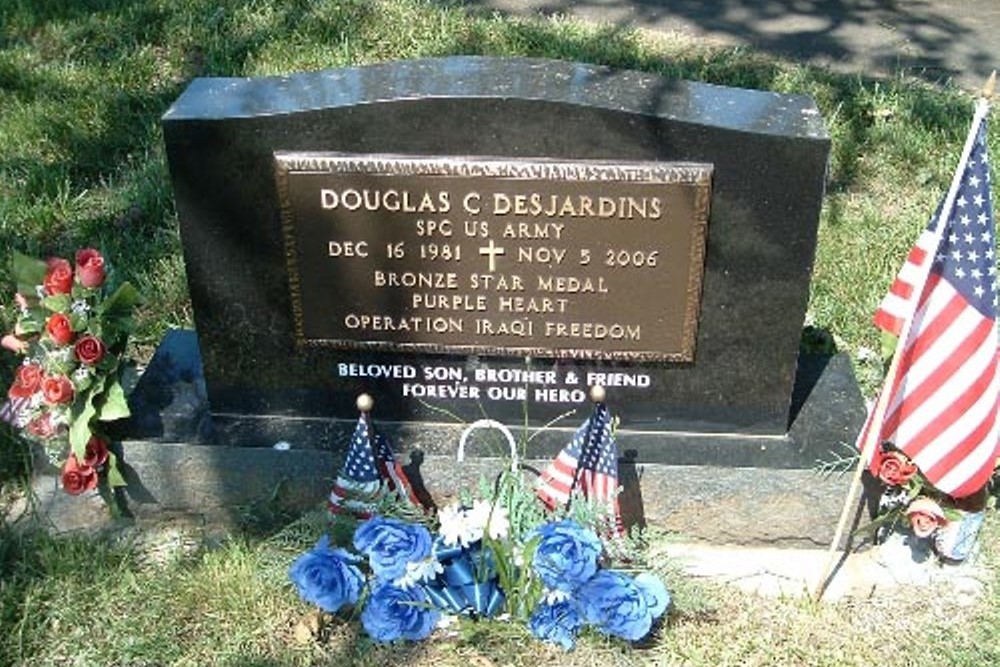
557, 623
656, 594
327, 578
615, 605
393, 613
566, 555
390, 544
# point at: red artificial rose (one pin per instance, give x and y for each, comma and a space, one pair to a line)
926, 516
14, 344
77, 478
89, 267
27, 381
58, 327
41, 426
896, 469
96, 453
58, 277
89, 350
57, 389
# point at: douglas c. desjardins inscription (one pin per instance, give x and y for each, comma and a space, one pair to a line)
489, 256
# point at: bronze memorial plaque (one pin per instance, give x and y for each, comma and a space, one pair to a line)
553, 258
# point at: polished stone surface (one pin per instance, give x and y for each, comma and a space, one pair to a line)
714, 487
769, 153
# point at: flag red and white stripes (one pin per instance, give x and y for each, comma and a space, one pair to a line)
941, 410
367, 467
897, 305
11, 408
588, 464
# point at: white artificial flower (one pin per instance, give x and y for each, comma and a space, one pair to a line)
417, 571
493, 520
517, 554
452, 520
80, 307
475, 522
499, 525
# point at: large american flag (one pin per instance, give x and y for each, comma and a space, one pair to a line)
589, 464
942, 406
366, 467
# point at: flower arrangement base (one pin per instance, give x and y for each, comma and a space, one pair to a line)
956, 541
60, 512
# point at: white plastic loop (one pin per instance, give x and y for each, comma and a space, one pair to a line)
488, 423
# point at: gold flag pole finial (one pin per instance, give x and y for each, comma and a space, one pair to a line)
991, 83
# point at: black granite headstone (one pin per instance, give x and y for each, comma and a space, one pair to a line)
234, 145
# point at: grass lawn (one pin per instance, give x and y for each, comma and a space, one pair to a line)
83, 84
178, 594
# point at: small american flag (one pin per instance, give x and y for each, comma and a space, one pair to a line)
942, 406
11, 408
588, 463
359, 483
391, 471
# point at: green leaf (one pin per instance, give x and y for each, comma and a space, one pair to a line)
114, 405
79, 430
889, 342
57, 364
115, 478
57, 303
121, 303
83, 411
29, 325
78, 322
82, 382
29, 273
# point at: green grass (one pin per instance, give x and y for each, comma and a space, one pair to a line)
84, 83
163, 597
82, 86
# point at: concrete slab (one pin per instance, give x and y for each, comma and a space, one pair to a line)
161, 535
902, 562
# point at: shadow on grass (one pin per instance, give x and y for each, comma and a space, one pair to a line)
94, 125
830, 31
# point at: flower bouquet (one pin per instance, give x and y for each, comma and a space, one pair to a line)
72, 328
950, 525
403, 577
498, 553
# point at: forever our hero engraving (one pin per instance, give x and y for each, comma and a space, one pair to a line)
560, 259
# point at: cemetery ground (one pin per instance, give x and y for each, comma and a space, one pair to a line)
185, 591
84, 85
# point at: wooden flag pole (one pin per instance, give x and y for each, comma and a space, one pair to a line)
878, 414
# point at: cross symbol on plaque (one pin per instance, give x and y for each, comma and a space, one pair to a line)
492, 251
